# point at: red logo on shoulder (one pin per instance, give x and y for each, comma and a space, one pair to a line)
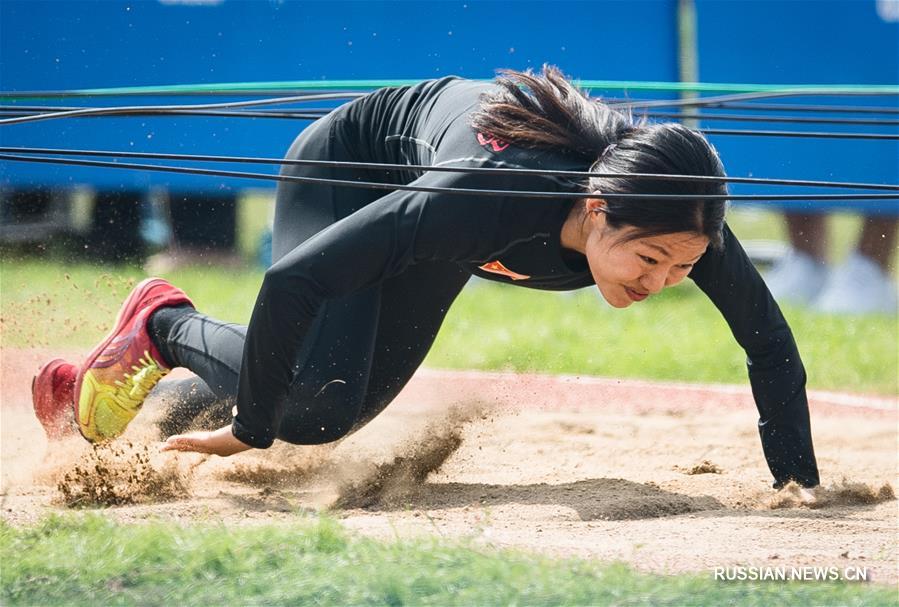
497, 145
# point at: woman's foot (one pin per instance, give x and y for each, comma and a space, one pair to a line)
858, 286
797, 278
114, 381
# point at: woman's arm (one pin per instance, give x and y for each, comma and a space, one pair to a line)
776, 373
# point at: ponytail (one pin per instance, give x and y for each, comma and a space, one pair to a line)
548, 111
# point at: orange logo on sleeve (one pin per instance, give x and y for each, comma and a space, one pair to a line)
495, 267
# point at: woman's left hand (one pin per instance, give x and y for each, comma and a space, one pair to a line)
216, 442
807, 496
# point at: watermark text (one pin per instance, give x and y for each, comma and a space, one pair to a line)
808, 573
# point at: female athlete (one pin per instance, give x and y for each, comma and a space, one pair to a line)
362, 280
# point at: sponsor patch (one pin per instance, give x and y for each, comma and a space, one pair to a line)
488, 140
495, 267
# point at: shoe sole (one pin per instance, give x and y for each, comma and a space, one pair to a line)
48, 367
45, 367
125, 312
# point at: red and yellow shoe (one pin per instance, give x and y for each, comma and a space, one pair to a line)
114, 381
52, 394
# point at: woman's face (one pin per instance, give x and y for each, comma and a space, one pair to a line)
627, 271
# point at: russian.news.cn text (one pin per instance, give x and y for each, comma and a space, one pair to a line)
807, 573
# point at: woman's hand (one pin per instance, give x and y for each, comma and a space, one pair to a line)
807, 496
217, 442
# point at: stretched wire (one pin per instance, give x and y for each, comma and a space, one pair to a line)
168, 110
435, 189
298, 115
165, 92
279, 87
833, 109
705, 116
800, 134
719, 99
314, 113
124, 110
59, 108
755, 106
161, 109
381, 166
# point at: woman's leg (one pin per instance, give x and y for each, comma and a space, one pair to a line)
361, 350
365, 351
332, 366
413, 306
210, 348
214, 349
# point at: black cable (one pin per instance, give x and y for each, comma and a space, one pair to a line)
760, 106
161, 109
429, 189
719, 99
59, 108
382, 166
832, 109
315, 113
267, 92
755, 118
247, 93
168, 110
147, 110
836, 109
219, 113
800, 134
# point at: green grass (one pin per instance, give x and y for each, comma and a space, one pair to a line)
87, 560
676, 336
55, 304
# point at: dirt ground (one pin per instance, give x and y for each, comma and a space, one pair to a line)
666, 477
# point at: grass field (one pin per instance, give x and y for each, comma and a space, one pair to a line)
676, 336
313, 562
86, 559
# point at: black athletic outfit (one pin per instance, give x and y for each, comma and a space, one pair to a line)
362, 279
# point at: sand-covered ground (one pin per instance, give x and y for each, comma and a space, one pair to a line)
666, 477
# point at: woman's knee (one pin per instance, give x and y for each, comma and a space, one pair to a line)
313, 436
316, 431
328, 415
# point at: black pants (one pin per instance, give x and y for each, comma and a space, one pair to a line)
361, 350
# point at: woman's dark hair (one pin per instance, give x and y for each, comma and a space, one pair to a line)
547, 111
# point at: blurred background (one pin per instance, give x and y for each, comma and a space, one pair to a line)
69, 45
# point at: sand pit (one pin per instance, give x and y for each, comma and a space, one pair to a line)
120, 473
667, 478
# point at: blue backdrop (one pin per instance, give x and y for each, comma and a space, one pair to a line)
86, 44
828, 41
78, 44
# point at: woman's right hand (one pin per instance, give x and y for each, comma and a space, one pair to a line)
807, 496
221, 442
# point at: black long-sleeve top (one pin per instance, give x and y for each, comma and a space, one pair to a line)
506, 239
